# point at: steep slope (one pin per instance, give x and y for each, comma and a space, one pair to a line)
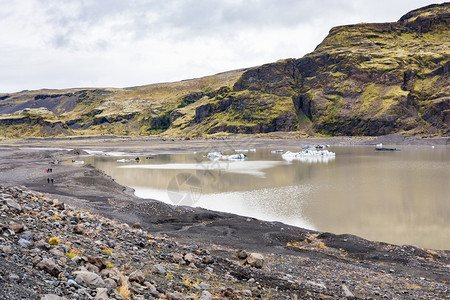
128, 111
371, 79
363, 79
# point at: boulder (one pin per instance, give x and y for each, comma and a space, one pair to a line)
112, 274
97, 261
89, 279
49, 266
25, 243
13, 205
16, 227
189, 257
255, 260
137, 276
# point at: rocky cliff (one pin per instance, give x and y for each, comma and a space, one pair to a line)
363, 79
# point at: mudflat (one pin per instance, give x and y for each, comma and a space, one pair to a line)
336, 262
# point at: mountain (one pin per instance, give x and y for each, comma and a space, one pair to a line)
363, 79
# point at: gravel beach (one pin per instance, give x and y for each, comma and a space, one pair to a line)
204, 254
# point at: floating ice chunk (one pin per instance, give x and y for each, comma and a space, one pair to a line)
127, 160
219, 155
307, 153
277, 151
214, 155
235, 156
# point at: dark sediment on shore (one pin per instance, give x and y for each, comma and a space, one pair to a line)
291, 252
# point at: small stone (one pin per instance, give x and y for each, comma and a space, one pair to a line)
14, 277
241, 254
5, 249
255, 260
189, 257
77, 260
92, 268
16, 227
56, 253
58, 204
78, 229
28, 235
206, 296
72, 283
102, 294
13, 205
110, 283
137, 276
83, 216
136, 257
246, 293
175, 296
49, 266
159, 269
41, 244
25, 243
111, 243
97, 261
113, 274
137, 225
207, 260
204, 286
177, 258
149, 286
347, 292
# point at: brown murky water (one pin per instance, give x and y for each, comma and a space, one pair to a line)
401, 197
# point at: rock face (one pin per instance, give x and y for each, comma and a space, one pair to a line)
364, 79
369, 79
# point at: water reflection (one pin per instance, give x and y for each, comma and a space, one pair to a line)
399, 197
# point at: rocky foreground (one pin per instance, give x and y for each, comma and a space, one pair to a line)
49, 250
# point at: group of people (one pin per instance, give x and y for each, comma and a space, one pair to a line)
49, 170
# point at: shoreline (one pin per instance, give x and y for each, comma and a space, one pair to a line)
88, 188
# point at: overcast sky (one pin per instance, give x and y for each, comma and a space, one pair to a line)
120, 43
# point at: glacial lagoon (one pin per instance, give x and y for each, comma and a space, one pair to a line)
400, 197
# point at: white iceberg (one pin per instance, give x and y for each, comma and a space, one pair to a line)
219, 155
309, 155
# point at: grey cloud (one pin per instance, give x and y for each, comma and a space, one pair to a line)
177, 19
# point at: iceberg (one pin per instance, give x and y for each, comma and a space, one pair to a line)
219, 155
309, 155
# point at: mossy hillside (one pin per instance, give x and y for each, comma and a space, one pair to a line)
32, 122
128, 111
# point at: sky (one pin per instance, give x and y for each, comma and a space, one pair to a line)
116, 43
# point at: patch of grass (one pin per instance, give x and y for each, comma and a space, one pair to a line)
54, 241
